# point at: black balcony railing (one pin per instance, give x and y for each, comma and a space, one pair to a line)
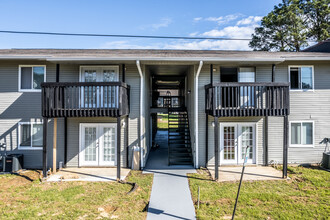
247, 99
85, 99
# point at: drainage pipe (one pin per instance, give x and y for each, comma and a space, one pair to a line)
138, 65
196, 111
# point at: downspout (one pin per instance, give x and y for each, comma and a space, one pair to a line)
141, 110
196, 110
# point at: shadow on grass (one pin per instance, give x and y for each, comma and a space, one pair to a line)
19, 174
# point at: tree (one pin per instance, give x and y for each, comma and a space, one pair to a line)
291, 23
318, 15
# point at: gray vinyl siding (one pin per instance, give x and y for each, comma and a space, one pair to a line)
74, 137
190, 98
147, 97
313, 106
259, 121
133, 79
26, 107
305, 106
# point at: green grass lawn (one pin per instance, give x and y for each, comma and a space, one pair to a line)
25, 197
305, 196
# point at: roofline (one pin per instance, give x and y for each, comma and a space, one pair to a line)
187, 59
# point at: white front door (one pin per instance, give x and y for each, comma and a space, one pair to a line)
234, 138
97, 144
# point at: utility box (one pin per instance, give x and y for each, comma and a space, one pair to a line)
12, 163
136, 158
326, 160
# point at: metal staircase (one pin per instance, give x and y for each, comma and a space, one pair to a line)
179, 145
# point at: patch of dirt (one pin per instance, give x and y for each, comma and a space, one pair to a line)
19, 179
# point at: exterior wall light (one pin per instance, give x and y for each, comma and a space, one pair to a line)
213, 124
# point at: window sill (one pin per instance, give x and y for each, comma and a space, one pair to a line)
301, 146
29, 148
29, 90
301, 90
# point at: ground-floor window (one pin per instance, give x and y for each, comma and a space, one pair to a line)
234, 139
30, 135
301, 134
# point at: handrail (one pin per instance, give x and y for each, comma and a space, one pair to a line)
85, 99
47, 84
229, 84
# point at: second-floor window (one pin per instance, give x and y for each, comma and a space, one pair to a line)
301, 77
31, 77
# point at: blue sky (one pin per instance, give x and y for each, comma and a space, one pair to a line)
208, 18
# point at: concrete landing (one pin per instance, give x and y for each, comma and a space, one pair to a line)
88, 174
252, 173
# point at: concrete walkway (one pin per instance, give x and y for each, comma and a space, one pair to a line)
170, 195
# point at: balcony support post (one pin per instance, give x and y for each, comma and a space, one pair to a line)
285, 146
44, 147
266, 142
216, 147
126, 140
54, 145
123, 72
206, 139
65, 141
118, 146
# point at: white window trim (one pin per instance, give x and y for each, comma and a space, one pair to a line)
301, 90
19, 136
97, 66
302, 145
19, 78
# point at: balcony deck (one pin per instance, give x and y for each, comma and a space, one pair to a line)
85, 99
247, 99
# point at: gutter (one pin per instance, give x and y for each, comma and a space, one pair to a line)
138, 65
187, 59
196, 110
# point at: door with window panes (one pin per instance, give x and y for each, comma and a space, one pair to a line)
99, 96
97, 144
234, 139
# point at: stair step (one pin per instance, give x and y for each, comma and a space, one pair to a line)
180, 152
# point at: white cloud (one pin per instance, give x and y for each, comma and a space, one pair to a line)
194, 34
208, 45
220, 19
164, 22
231, 31
124, 45
223, 19
198, 19
251, 20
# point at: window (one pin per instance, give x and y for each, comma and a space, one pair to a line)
31, 77
301, 77
30, 135
301, 133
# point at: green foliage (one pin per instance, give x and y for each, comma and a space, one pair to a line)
318, 18
291, 24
